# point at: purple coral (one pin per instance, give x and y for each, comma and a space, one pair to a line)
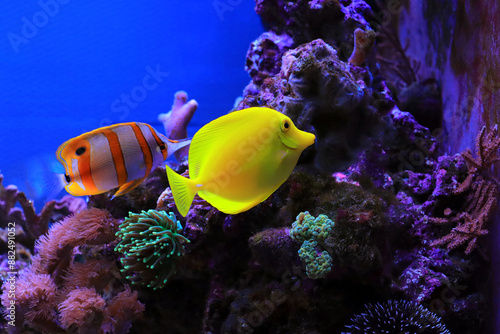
177, 119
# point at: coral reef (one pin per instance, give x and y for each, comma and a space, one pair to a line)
150, 242
30, 224
264, 56
332, 21
342, 104
392, 223
73, 282
396, 317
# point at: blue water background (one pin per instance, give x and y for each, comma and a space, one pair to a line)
66, 67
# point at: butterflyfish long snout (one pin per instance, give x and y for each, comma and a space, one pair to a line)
120, 155
239, 160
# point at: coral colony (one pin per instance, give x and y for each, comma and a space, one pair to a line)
375, 231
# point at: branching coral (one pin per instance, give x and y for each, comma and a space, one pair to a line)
150, 243
33, 224
482, 195
396, 317
313, 232
487, 145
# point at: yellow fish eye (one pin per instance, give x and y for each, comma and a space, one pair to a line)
285, 125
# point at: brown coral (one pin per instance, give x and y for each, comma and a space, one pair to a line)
487, 145
481, 204
363, 43
481, 191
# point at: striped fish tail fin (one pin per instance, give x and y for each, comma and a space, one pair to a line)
183, 190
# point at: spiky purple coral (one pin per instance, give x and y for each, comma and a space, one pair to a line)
396, 316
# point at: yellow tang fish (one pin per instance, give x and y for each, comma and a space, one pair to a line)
239, 160
120, 155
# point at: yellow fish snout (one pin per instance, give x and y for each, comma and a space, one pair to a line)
301, 138
307, 138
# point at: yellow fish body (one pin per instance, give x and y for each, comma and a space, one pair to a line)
120, 155
239, 160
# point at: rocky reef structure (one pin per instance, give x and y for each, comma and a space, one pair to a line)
376, 228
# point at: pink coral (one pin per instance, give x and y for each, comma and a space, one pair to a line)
36, 300
83, 308
62, 292
121, 310
177, 120
92, 227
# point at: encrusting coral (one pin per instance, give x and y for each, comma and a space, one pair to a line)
313, 232
150, 242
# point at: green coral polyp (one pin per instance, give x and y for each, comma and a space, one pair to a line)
307, 227
318, 265
150, 242
313, 232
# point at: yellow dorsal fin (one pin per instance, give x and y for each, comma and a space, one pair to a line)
210, 136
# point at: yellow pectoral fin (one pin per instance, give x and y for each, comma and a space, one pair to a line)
128, 186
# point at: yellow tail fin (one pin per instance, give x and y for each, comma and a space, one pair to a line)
183, 190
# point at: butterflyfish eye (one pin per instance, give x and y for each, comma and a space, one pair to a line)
285, 125
68, 179
80, 150
162, 147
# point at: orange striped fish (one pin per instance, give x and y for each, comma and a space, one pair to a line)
120, 155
